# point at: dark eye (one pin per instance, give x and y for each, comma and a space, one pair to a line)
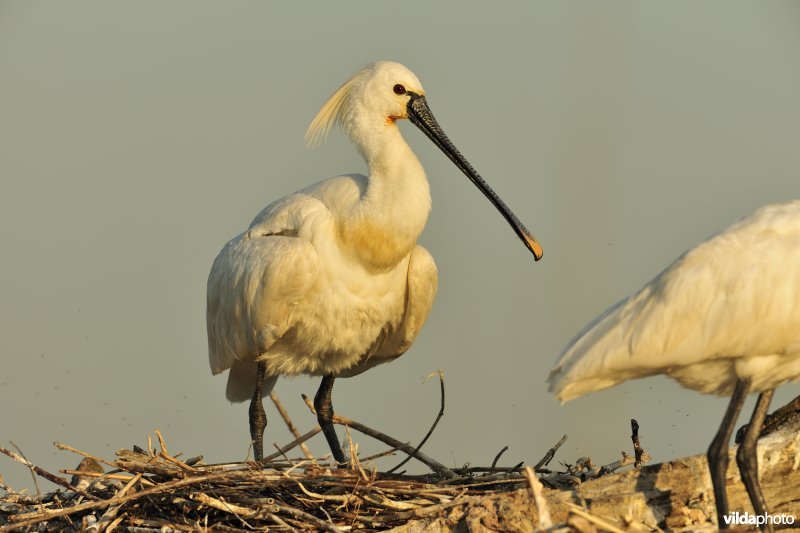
399, 89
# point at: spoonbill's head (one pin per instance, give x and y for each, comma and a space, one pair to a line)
365, 104
383, 92
386, 90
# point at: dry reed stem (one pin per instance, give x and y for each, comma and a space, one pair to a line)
112, 511
294, 443
105, 475
536, 489
596, 520
289, 424
177, 462
161, 442
68, 448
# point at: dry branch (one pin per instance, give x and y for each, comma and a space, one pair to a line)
781, 417
640, 456
436, 466
544, 461
45, 474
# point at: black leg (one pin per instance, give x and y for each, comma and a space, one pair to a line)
747, 458
258, 418
324, 408
718, 451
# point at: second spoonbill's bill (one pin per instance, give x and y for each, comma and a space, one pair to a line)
330, 281
723, 319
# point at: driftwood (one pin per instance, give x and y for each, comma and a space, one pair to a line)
675, 496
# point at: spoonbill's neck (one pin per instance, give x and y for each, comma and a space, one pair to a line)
384, 226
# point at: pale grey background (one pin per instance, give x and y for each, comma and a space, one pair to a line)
137, 137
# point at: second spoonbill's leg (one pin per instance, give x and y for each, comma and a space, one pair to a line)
718, 451
747, 458
258, 418
323, 404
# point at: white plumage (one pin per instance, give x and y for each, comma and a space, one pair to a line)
318, 283
330, 280
727, 309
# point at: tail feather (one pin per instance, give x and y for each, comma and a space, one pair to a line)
576, 373
242, 381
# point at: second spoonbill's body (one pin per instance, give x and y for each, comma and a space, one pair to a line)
330, 280
722, 319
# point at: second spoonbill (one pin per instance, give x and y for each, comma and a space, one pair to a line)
723, 319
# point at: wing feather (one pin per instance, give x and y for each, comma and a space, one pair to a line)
253, 285
259, 275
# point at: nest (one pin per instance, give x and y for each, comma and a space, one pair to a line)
153, 490
149, 490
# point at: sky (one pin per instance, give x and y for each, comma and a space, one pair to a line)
136, 138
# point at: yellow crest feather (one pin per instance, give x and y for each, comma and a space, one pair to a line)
330, 114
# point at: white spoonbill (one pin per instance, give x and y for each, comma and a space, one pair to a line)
723, 319
330, 281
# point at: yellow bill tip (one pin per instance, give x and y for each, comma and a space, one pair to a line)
534, 247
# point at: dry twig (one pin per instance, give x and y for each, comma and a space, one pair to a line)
544, 461
296, 442
641, 456
497, 458
433, 426
436, 466
289, 424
